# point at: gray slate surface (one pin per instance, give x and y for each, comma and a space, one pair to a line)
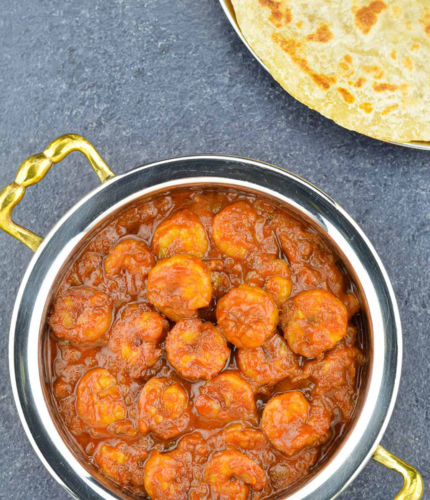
152, 79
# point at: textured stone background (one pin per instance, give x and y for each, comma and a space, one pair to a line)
152, 79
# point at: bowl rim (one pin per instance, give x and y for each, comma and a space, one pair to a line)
98, 205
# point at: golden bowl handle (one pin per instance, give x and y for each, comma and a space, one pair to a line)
413, 484
33, 169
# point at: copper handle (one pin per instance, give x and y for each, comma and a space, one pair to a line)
32, 170
413, 484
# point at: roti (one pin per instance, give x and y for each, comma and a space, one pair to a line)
363, 64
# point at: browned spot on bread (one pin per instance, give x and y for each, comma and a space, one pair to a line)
408, 63
375, 70
272, 4
345, 65
290, 47
360, 82
346, 94
322, 34
277, 17
388, 109
394, 54
299, 24
427, 29
383, 87
366, 107
323, 81
367, 16
415, 46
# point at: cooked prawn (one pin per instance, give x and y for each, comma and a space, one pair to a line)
314, 321
122, 462
98, 398
334, 376
196, 349
181, 233
135, 336
291, 422
168, 475
178, 286
234, 229
269, 363
225, 398
81, 314
230, 474
163, 408
132, 257
247, 316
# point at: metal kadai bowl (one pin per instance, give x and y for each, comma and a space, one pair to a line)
118, 193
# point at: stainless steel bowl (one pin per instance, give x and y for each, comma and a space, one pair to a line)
70, 233
231, 16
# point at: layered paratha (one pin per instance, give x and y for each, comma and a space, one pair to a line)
364, 64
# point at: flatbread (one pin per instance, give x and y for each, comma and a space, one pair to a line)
364, 64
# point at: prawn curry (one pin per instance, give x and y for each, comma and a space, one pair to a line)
206, 345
